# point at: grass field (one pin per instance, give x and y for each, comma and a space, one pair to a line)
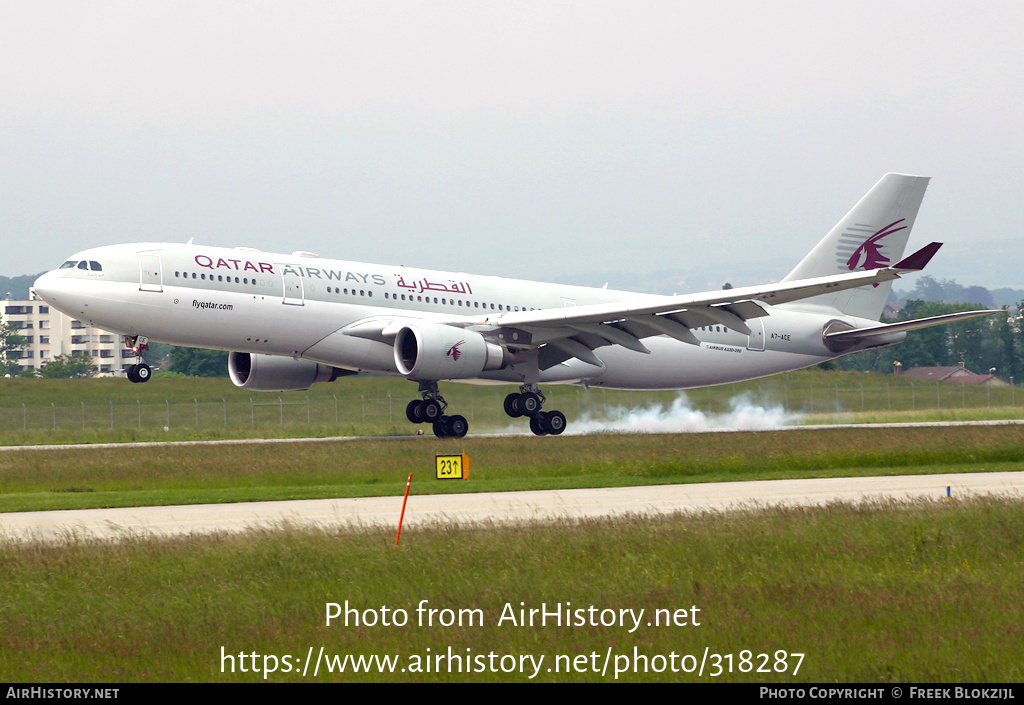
925, 593
113, 410
33, 479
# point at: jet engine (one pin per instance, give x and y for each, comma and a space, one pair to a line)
274, 373
432, 351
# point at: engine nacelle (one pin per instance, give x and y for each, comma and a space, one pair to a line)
432, 351
274, 373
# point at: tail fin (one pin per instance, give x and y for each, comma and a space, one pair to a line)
872, 235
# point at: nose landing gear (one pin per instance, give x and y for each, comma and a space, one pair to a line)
139, 372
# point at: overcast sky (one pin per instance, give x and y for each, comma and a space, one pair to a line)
532, 139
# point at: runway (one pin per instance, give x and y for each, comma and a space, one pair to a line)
495, 507
385, 439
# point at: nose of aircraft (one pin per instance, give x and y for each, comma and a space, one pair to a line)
44, 285
47, 286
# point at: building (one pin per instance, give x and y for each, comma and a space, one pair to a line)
50, 333
957, 373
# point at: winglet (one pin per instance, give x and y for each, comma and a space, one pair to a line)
917, 261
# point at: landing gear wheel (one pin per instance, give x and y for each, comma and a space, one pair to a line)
441, 427
457, 426
451, 426
431, 411
414, 411
554, 422
139, 373
512, 406
529, 403
537, 424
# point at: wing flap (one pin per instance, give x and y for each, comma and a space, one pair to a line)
614, 335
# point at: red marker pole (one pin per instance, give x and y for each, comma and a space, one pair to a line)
401, 518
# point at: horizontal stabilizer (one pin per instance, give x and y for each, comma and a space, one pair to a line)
857, 334
917, 261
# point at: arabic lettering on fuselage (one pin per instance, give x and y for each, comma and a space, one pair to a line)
422, 285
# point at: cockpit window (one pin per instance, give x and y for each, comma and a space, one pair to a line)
88, 265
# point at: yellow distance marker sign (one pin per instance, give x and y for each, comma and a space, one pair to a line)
451, 467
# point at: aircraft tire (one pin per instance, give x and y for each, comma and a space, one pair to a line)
414, 411
457, 426
432, 411
512, 406
554, 422
537, 425
529, 403
441, 429
143, 372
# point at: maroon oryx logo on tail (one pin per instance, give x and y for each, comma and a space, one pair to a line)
454, 352
869, 254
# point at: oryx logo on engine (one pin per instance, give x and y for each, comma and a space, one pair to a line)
454, 352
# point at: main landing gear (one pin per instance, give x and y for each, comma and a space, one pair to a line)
431, 410
139, 372
528, 402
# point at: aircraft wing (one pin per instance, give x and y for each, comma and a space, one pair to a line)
577, 331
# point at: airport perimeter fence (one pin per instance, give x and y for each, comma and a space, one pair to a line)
483, 408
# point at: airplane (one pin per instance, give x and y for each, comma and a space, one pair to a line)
289, 321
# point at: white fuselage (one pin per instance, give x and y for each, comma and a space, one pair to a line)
298, 305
